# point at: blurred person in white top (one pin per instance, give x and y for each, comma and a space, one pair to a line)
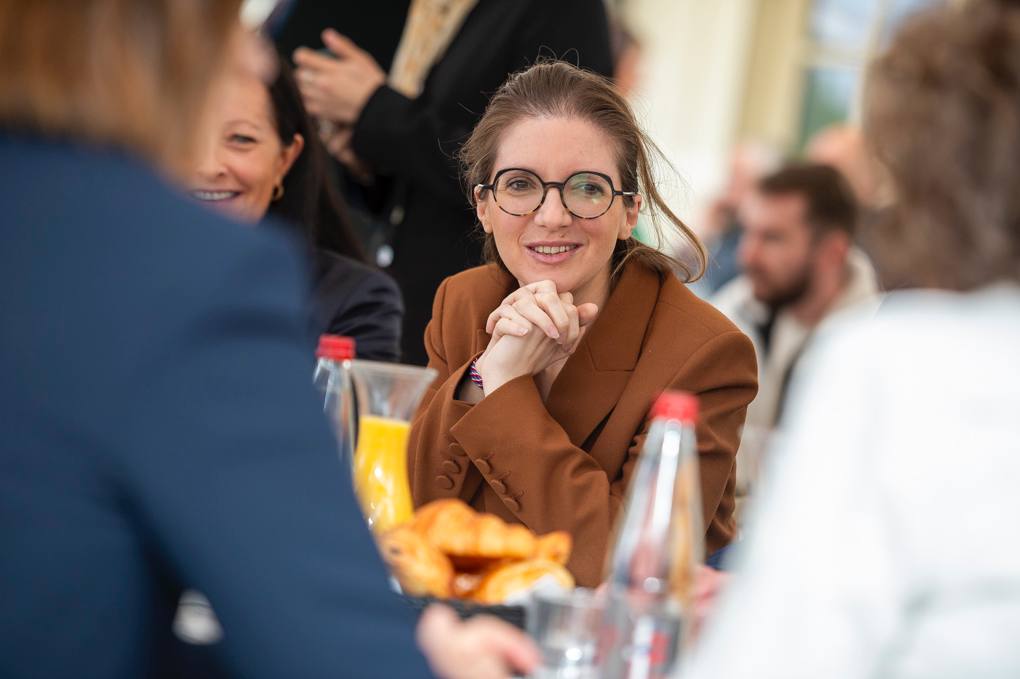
885, 541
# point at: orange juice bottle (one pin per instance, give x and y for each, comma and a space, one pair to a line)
380, 472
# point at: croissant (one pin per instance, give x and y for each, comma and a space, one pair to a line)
501, 582
554, 547
448, 549
472, 541
446, 525
420, 568
464, 585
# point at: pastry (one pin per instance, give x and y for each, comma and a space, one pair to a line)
448, 549
464, 585
501, 582
471, 540
446, 524
420, 568
554, 546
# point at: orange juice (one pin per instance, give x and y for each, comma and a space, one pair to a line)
380, 472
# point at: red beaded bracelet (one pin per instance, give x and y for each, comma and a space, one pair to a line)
475, 376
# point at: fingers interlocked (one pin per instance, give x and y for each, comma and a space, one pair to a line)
538, 306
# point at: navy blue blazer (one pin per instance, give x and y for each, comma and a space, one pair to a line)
159, 432
353, 299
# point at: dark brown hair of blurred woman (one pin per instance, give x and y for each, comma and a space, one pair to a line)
557, 89
311, 199
63, 74
942, 112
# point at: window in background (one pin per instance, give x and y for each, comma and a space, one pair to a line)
841, 37
828, 98
842, 24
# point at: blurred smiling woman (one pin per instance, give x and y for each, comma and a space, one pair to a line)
262, 157
550, 356
160, 430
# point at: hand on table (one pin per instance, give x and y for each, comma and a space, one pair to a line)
534, 328
479, 648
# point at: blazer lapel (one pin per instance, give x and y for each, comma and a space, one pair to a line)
592, 380
481, 341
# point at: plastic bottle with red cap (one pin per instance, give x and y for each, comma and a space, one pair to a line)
658, 546
333, 378
335, 348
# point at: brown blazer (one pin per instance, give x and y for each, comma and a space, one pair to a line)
565, 463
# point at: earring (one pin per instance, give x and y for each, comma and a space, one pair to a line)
278, 192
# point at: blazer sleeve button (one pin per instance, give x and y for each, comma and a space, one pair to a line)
444, 482
512, 504
499, 487
483, 466
450, 466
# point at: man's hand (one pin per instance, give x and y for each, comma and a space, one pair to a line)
337, 89
480, 648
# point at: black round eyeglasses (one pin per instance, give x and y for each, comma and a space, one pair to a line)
586, 194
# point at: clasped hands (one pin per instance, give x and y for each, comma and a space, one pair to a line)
534, 329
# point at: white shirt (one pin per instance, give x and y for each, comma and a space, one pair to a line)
789, 335
788, 339
887, 538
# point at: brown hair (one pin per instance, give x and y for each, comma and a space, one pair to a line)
829, 200
129, 73
943, 114
557, 89
311, 200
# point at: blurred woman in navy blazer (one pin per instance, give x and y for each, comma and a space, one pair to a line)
263, 156
159, 428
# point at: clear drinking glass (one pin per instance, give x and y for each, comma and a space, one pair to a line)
565, 625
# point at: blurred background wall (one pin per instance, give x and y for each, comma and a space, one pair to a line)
716, 74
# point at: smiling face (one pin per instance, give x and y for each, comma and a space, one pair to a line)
243, 159
551, 243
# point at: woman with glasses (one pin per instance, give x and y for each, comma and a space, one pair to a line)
550, 356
